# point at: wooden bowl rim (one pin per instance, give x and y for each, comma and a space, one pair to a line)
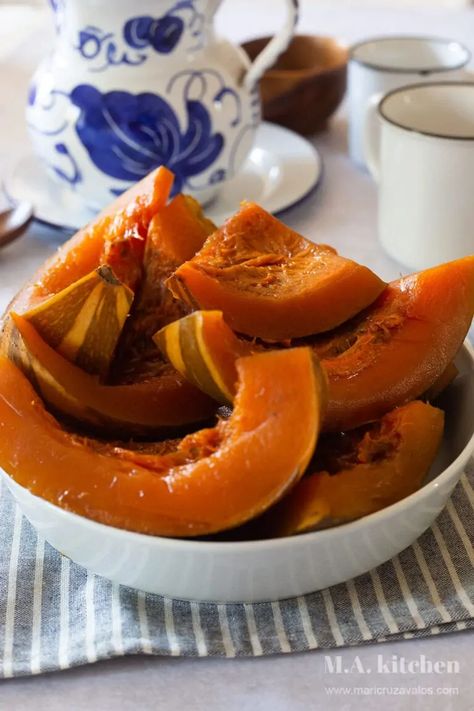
310, 71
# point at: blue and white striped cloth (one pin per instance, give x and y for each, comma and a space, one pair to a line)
55, 615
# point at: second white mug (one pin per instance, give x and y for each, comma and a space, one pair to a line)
380, 65
424, 166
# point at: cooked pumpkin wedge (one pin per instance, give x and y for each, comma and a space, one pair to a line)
203, 348
83, 322
140, 408
400, 346
128, 216
143, 392
119, 224
175, 233
213, 480
362, 473
392, 353
180, 229
271, 282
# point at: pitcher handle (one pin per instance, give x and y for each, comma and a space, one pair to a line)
274, 48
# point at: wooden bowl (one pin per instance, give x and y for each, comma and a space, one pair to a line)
307, 83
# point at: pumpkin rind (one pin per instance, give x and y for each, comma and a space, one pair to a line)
215, 479
145, 407
204, 349
271, 282
140, 403
84, 321
85, 251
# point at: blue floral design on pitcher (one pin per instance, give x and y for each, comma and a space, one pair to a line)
103, 49
94, 43
128, 135
163, 34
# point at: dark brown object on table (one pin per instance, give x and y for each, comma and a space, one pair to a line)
14, 220
306, 85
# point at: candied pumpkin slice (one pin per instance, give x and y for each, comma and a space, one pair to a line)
392, 353
83, 322
358, 473
143, 391
129, 215
180, 228
174, 234
120, 229
215, 479
139, 408
203, 348
271, 282
400, 346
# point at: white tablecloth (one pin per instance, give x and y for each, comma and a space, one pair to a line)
343, 213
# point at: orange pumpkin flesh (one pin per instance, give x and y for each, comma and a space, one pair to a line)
130, 213
180, 229
271, 282
400, 346
139, 408
144, 393
215, 479
175, 232
222, 477
92, 246
392, 353
362, 474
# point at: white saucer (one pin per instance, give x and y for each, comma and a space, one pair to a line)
281, 169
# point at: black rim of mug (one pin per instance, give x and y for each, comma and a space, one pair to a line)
423, 85
415, 38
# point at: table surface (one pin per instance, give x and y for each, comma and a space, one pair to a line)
343, 213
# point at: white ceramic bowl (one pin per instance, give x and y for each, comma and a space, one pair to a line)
271, 569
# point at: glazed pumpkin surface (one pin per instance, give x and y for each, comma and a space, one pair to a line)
446, 378
180, 229
398, 347
106, 366
142, 392
362, 472
394, 352
208, 481
120, 224
145, 407
271, 282
180, 223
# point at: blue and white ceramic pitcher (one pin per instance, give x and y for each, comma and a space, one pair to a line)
133, 84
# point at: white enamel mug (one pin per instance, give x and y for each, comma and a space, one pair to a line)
380, 65
424, 165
